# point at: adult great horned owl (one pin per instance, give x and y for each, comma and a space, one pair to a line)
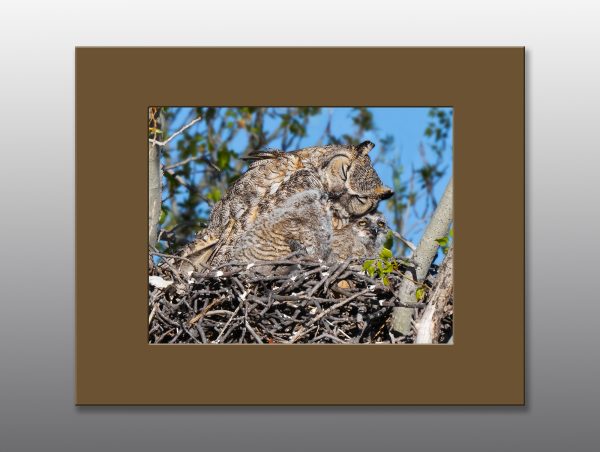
362, 238
301, 222
343, 172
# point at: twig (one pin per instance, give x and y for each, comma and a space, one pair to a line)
336, 306
408, 243
179, 132
256, 336
173, 256
191, 159
164, 256
228, 322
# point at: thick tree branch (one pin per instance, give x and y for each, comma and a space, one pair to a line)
154, 181
423, 257
429, 323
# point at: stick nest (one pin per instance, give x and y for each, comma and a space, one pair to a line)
297, 301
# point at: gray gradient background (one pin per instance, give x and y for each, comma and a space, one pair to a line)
37, 238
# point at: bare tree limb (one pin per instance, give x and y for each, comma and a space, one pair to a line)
154, 181
424, 255
429, 323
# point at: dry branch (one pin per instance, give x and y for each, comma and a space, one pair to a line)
423, 257
430, 321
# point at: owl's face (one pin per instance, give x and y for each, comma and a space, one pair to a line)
352, 180
371, 228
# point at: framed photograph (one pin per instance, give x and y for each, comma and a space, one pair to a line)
253, 223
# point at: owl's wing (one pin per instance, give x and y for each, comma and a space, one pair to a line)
272, 177
204, 249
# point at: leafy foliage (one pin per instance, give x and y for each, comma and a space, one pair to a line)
382, 266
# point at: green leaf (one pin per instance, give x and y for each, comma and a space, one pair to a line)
389, 240
385, 281
443, 241
369, 267
163, 215
214, 195
385, 253
223, 158
420, 293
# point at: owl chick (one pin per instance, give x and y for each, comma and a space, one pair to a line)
302, 222
361, 238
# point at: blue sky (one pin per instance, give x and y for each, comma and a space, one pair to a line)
407, 126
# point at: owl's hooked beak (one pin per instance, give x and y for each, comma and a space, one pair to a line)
374, 230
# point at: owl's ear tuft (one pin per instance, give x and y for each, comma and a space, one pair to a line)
364, 147
384, 192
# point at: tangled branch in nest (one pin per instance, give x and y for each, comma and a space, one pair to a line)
299, 301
